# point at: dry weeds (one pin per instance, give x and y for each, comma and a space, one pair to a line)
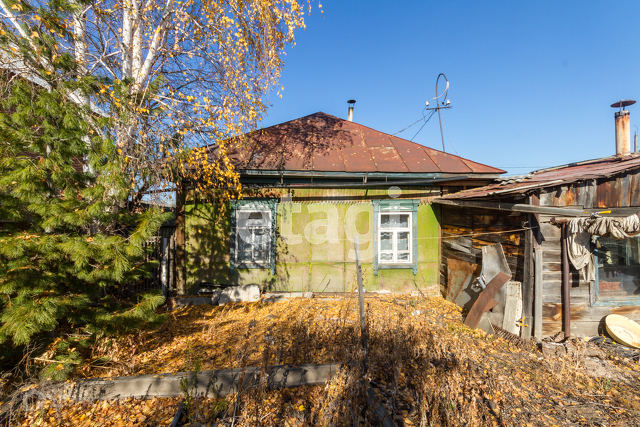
425, 368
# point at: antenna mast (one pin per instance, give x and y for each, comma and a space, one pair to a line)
445, 104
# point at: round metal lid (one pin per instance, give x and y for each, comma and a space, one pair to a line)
623, 103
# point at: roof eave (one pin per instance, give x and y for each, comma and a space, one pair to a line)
361, 175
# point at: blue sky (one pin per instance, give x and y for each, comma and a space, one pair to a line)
530, 81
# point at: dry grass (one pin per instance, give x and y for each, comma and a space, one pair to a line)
425, 367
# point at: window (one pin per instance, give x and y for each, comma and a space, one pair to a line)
394, 235
618, 268
395, 230
253, 234
253, 238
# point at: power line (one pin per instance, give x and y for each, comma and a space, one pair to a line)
400, 131
426, 121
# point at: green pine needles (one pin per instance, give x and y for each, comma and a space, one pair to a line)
70, 226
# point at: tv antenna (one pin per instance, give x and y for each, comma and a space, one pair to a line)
441, 105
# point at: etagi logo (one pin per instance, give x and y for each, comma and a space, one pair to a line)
326, 225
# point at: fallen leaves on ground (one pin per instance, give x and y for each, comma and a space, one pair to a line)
120, 413
425, 366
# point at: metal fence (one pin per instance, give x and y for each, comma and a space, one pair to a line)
163, 250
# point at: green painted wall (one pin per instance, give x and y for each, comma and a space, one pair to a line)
314, 244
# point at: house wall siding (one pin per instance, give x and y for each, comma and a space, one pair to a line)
306, 260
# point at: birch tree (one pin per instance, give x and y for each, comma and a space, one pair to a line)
175, 75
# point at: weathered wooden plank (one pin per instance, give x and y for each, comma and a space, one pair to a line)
557, 299
446, 253
551, 267
634, 188
527, 280
456, 216
552, 288
602, 193
570, 199
552, 246
465, 241
625, 197
498, 219
590, 196
551, 254
546, 198
584, 312
574, 280
512, 307
614, 199
549, 231
560, 198
537, 273
581, 193
455, 246
508, 241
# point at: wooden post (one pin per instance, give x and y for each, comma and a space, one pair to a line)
181, 264
527, 282
363, 321
537, 274
566, 290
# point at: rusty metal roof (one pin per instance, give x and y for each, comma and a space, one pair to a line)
324, 143
557, 176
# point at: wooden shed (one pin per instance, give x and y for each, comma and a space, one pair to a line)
523, 213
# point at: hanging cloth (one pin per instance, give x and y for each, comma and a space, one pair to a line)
579, 249
579, 235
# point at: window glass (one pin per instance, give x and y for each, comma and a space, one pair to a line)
254, 218
394, 238
386, 241
403, 241
618, 268
253, 236
394, 220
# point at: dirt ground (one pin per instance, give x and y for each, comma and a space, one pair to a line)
425, 368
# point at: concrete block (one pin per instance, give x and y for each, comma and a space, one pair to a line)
185, 302
279, 296
215, 296
208, 383
249, 293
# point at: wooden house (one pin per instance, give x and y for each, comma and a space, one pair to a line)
524, 214
309, 185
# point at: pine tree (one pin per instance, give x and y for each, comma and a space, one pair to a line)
70, 227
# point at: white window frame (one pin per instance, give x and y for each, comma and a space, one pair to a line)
268, 227
395, 231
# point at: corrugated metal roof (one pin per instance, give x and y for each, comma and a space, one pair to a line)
557, 176
324, 143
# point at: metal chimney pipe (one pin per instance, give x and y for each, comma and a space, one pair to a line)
623, 128
351, 103
623, 133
